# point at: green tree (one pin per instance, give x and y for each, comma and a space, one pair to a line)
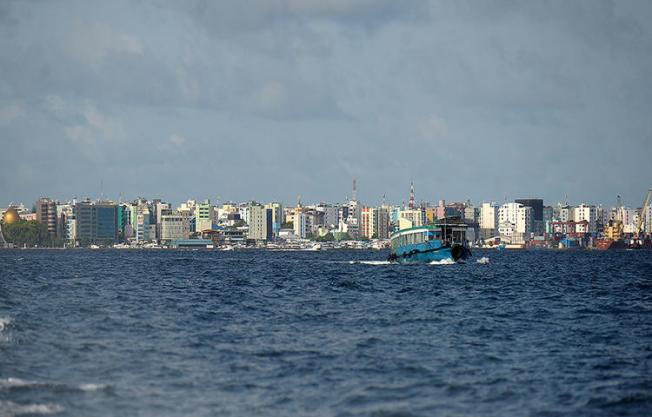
29, 233
328, 237
339, 236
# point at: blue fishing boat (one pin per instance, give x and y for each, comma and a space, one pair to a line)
437, 242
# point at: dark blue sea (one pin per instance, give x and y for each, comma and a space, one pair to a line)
261, 333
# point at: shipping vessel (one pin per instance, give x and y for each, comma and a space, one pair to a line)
438, 242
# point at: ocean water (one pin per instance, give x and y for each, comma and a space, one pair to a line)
343, 333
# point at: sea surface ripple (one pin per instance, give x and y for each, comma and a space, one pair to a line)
341, 333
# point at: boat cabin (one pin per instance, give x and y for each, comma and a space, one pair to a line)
445, 233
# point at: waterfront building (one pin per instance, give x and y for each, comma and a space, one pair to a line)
565, 213
204, 216
277, 216
160, 207
141, 216
628, 217
517, 218
382, 231
65, 212
46, 213
175, 225
471, 214
588, 213
368, 222
260, 223
647, 218
330, 215
488, 220
96, 222
410, 218
537, 213
300, 224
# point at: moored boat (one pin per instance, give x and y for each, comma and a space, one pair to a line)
438, 242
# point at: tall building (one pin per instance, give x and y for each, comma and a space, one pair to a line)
96, 222
174, 225
588, 213
374, 223
204, 216
368, 222
301, 225
537, 212
141, 219
410, 218
331, 215
383, 223
515, 221
260, 223
488, 220
46, 213
277, 216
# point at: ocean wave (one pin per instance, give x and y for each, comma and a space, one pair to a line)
371, 262
484, 260
11, 409
9, 383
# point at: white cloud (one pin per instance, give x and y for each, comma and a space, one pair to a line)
93, 44
433, 127
9, 113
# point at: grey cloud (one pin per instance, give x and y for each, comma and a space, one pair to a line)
270, 99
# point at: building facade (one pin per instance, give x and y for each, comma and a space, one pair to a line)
260, 223
96, 222
46, 213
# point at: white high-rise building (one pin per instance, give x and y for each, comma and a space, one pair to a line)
520, 218
488, 220
588, 213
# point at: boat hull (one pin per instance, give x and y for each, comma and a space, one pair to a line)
429, 252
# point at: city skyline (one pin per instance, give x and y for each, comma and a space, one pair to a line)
218, 199
273, 100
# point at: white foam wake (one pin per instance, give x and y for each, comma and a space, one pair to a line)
92, 387
484, 260
13, 382
447, 261
4, 323
371, 262
9, 383
11, 409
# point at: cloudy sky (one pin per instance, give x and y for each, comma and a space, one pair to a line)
272, 99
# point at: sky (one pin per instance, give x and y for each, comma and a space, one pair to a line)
270, 100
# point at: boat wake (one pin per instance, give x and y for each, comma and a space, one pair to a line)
4, 323
484, 260
370, 262
443, 262
11, 409
17, 383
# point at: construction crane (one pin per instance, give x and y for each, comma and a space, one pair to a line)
641, 216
